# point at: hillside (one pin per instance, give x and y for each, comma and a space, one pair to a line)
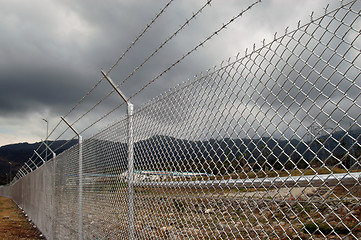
222, 156
19, 153
214, 156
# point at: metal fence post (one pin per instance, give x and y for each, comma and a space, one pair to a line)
80, 141
130, 157
265, 146
24, 170
28, 167
130, 171
36, 166
22, 174
80, 172
37, 154
54, 192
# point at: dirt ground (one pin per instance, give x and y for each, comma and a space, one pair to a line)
13, 223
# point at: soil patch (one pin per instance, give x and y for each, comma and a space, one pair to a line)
13, 223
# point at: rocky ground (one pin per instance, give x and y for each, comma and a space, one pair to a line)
283, 213
296, 213
299, 213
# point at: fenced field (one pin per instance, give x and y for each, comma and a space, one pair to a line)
263, 146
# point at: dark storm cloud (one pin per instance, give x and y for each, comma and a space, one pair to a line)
53, 59
51, 52
301, 86
27, 90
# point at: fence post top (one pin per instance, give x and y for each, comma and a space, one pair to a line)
71, 127
116, 88
46, 145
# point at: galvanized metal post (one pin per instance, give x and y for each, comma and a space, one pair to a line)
10, 172
47, 136
28, 167
26, 170
37, 154
36, 166
130, 171
130, 158
80, 173
22, 174
22, 196
80, 200
54, 192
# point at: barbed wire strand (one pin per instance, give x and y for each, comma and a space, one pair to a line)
194, 15
100, 80
221, 67
121, 57
140, 35
65, 143
195, 48
171, 66
101, 118
230, 63
186, 23
209, 73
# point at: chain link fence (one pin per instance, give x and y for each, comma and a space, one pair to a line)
266, 146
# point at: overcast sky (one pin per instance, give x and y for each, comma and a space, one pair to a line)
51, 52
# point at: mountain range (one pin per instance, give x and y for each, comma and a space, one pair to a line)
214, 156
13, 156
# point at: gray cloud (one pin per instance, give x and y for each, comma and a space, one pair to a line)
52, 52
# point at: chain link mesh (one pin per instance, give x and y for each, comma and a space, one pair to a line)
105, 202
263, 147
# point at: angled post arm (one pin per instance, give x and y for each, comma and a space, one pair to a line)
80, 172
130, 156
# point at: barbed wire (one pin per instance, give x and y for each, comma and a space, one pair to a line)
175, 63
57, 138
209, 72
196, 47
121, 57
140, 35
99, 81
101, 118
247, 54
194, 15
186, 23
171, 66
65, 143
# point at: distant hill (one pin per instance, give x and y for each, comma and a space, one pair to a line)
222, 156
213, 156
19, 153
